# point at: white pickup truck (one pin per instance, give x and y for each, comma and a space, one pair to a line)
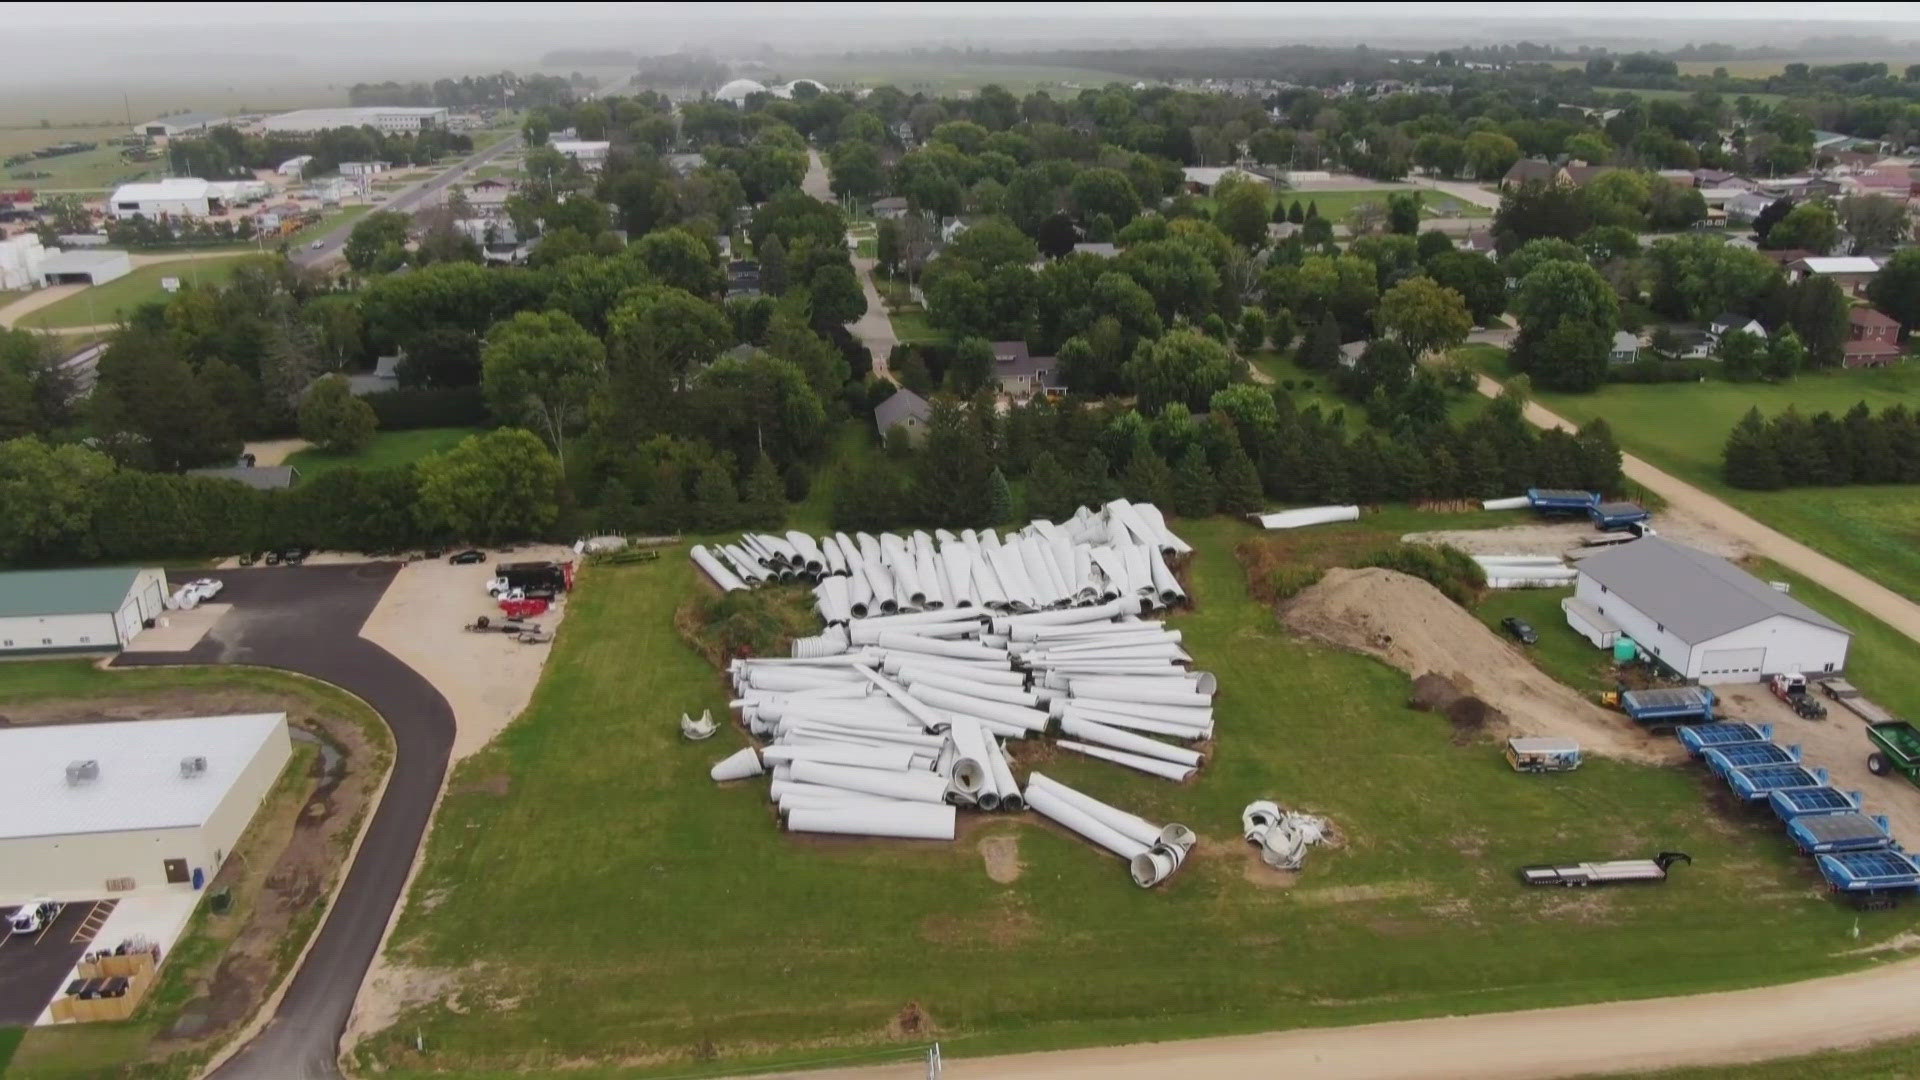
34, 915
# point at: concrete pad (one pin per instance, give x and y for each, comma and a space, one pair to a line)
178, 631
136, 920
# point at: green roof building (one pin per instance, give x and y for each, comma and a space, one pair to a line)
98, 609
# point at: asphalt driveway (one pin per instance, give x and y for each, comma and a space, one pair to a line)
307, 620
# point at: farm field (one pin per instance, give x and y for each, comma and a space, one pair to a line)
642, 941
88, 172
1682, 427
939, 75
100, 304
388, 449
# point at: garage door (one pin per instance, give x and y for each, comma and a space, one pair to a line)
1733, 665
129, 620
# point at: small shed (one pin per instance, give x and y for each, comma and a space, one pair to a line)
90, 610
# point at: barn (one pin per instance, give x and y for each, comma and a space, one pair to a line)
1705, 618
133, 807
93, 610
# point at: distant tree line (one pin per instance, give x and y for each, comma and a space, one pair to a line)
504, 90
1793, 450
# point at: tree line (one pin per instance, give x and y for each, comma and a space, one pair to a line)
1794, 450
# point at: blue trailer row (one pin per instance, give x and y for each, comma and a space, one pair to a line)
1855, 852
1566, 502
1667, 706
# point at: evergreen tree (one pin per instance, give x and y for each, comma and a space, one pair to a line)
999, 498
1148, 480
1240, 484
1049, 488
1193, 484
1252, 332
616, 510
1313, 211
763, 502
1295, 214
1093, 481
1748, 460
1321, 350
773, 266
716, 505
952, 470
668, 510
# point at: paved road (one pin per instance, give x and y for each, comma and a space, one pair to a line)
874, 329
1870, 596
407, 198
307, 620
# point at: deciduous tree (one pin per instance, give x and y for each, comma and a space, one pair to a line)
335, 420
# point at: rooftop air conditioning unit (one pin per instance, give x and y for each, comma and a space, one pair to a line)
191, 767
82, 772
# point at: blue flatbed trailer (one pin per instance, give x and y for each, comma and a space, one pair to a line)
1724, 759
1872, 879
1827, 834
1699, 738
1562, 500
1615, 516
1790, 803
1666, 706
1755, 784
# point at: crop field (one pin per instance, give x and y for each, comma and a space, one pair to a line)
1681, 427
108, 101
97, 305
663, 925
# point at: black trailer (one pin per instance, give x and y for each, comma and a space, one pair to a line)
1576, 875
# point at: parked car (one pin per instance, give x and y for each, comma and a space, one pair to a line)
207, 587
294, 556
317, 245
34, 915
1521, 630
467, 557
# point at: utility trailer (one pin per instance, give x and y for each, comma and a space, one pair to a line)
1662, 708
1559, 502
1853, 701
1899, 749
1577, 875
1873, 880
1790, 803
1699, 738
1828, 834
1543, 755
1725, 759
1617, 516
1757, 783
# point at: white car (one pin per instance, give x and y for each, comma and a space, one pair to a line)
207, 587
317, 245
34, 915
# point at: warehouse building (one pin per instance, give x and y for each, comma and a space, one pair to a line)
386, 119
176, 196
1704, 617
166, 127
138, 807
90, 610
93, 267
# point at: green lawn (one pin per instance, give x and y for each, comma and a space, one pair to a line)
1681, 427
1562, 653
662, 924
329, 221
912, 328
89, 171
9, 1041
1335, 205
1283, 370
1886, 1061
389, 448
117, 299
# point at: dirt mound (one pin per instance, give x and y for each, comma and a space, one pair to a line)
1409, 624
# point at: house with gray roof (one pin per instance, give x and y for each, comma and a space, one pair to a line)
905, 409
260, 477
1705, 618
1022, 374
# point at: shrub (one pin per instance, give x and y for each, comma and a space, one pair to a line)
399, 410
752, 622
1286, 582
1448, 569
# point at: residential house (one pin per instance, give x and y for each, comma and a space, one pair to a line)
1580, 175
1747, 205
385, 376
905, 410
1852, 272
1873, 339
1531, 170
1097, 250
488, 198
1022, 374
1626, 348
1685, 343
1895, 183
1350, 353
743, 278
590, 154
1479, 241
1677, 177
1732, 321
903, 131
893, 207
1826, 142
951, 230
685, 165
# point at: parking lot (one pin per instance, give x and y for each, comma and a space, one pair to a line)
32, 965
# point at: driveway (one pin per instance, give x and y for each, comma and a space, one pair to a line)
1685, 499
307, 620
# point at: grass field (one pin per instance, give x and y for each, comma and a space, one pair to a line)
665, 924
1681, 428
328, 222
100, 304
90, 171
1887, 1061
389, 448
945, 75
912, 328
9, 1041
1336, 205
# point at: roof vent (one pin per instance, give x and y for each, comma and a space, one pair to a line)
191, 767
82, 772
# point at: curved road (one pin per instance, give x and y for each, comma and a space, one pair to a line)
307, 620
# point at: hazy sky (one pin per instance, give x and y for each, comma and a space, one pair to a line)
269, 13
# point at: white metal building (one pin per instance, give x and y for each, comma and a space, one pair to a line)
95, 266
139, 807
91, 610
591, 154
388, 119
1704, 617
176, 196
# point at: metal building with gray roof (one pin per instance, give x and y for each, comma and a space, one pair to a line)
1706, 618
98, 609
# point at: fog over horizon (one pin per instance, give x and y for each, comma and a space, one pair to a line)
94, 44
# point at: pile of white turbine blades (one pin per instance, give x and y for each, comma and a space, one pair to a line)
940, 647
1282, 836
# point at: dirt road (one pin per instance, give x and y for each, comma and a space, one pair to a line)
1628, 1036
1685, 500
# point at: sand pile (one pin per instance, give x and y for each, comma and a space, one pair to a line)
1409, 624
